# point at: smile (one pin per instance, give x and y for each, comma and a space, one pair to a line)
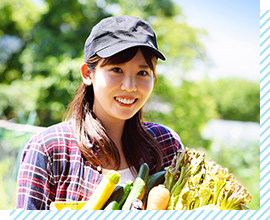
125, 101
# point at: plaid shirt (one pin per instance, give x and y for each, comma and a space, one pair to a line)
53, 168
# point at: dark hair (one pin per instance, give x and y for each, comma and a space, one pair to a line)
138, 145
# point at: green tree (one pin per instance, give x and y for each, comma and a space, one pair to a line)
43, 74
237, 99
185, 108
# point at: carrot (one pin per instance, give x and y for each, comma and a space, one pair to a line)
158, 198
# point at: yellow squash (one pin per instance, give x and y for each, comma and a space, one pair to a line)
102, 192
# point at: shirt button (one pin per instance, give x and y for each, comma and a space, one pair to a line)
99, 168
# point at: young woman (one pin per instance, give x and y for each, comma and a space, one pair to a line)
104, 129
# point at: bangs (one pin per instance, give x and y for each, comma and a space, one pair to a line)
128, 54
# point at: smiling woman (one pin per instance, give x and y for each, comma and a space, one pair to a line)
119, 86
104, 129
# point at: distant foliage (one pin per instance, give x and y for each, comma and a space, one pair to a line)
42, 73
236, 99
187, 107
41, 49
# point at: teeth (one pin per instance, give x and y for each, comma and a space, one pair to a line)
125, 101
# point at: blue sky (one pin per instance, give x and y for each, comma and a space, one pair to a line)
233, 28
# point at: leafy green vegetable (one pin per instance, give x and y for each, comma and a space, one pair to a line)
195, 183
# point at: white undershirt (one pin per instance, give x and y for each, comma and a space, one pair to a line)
125, 174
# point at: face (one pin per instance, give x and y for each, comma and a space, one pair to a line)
120, 90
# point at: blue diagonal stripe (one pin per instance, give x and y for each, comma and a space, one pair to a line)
160, 217
245, 212
29, 213
264, 14
151, 217
236, 213
264, 113
262, 133
227, 213
265, 203
265, 175
265, 192
262, 142
264, 86
264, 212
263, 160
18, 215
264, 105
219, 212
48, 212
265, 67
134, 216
84, 212
127, 214
74, 213
201, 212
191, 213
66, 212
264, 59
209, 213
91, 214
265, 76
264, 185
265, 49
56, 213
265, 23
262, 43
145, 214
251, 217
265, 94
11, 213
38, 213
174, 212
119, 213
264, 149
264, 32
100, 214
108, 213
265, 121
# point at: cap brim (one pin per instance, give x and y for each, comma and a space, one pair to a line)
114, 49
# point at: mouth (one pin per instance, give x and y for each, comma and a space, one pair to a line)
125, 101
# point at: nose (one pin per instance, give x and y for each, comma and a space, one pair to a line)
129, 84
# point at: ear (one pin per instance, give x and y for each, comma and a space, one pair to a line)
85, 74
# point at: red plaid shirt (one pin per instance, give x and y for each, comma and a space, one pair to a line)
53, 168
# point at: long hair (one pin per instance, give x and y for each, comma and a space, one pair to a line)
96, 146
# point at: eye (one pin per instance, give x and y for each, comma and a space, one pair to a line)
143, 73
116, 70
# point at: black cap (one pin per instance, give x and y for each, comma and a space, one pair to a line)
115, 34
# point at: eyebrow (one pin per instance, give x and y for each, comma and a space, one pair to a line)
144, 66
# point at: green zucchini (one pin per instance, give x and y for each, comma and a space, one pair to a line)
118, 196
112, 206
139, 187
153, 180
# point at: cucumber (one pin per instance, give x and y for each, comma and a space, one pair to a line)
118, 196
113, 206
153, 180
139, 187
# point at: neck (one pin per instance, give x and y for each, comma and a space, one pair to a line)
115, 131
114, 128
